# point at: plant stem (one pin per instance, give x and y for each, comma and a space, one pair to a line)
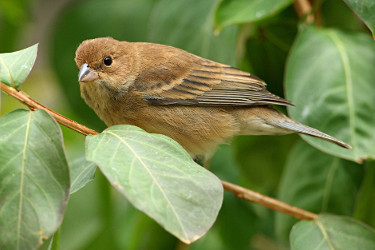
267, 201
304, 9
239, 191
33, 105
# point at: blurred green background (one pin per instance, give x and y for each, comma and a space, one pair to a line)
97, 217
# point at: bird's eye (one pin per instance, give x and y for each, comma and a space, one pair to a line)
107, 61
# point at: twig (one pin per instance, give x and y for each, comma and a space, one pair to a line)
33, 105
317, 9
304, 9
267, 201
240, 192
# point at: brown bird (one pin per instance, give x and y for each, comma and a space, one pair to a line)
197, 102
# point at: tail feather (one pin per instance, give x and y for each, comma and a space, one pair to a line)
303, 129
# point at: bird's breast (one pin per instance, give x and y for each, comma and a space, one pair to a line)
198, 129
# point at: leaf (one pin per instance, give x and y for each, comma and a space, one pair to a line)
138, 231
332, 232
16, 66
329, 77
231, 12
365, 11
34, 179
267, 49
81, 173
317, 182
159, 178
188, 24
365, 204
343, 19
258, 167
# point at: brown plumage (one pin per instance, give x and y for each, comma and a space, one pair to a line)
195, 101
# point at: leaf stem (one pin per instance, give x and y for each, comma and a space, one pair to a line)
239, 191
304, 10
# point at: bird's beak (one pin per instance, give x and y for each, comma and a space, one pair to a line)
86, 74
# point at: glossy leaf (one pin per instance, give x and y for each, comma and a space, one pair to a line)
81, 173
16, 66
232, 12
159, 178
317, 182
34, 179
188, 24
332, 232
365, 11
329, 77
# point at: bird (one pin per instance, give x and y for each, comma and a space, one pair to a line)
195, 101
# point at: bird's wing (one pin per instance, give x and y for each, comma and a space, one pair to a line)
204, 83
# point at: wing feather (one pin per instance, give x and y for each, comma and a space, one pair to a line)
201, 82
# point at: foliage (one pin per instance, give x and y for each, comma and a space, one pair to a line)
328, 74
332, 232
342, 97
34, 178
365, 12
16, 66
159, 178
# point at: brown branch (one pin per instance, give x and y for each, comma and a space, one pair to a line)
304, 9
268, 202
240, 192
33, 105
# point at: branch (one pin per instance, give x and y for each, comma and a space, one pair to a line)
239, 191
267, 201
304, 9
33, 105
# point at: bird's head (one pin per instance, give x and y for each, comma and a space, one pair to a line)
104, 60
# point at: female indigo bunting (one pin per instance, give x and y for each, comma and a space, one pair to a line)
197, 102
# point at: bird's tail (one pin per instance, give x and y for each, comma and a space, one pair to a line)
294, 126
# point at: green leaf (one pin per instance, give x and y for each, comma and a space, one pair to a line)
330, 78
343, 19
365, 205
159, 178
231, 12
34, 178
81, 173
365, 11
267, 49
188, 24
332, 232
16, 66
263, 171
317, 182
85, 219
135, 230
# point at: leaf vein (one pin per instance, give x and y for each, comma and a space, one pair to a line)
349, 87
20, 206
153, 178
